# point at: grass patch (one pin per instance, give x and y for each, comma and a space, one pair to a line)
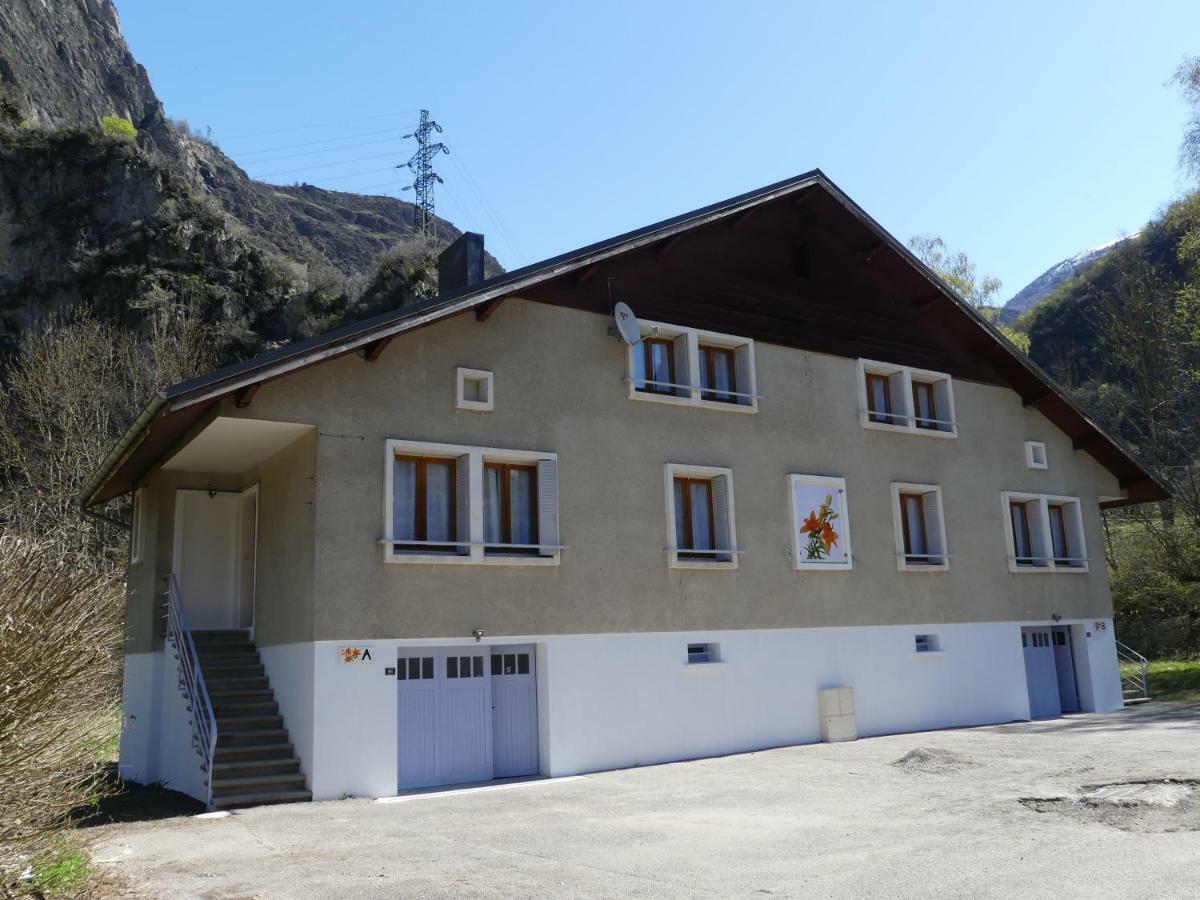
1175, 679
62, 875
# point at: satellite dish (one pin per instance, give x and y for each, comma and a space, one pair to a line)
627, 324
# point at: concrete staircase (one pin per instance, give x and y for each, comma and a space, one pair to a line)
255, 763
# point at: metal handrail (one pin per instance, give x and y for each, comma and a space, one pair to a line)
1136, 682
191, 680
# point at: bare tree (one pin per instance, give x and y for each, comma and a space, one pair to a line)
1187, 76
956, 269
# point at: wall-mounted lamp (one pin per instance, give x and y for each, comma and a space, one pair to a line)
478, 634
1056, 617
212, 491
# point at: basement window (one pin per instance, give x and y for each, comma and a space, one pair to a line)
899, 398
920, 528
474, 390
1044, 533
685, 366
699, 654
927, 643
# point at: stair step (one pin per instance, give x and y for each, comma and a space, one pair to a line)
220, 634
242, 738
254, 784
215, 657
226, 685
235, 695
238, 724
261, 799
246, 767
259, 752
235, 708
237, 670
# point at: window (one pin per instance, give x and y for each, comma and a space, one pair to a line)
414, 668
424, 505
467, 505
1035, 455
510, 509
654, 370
510, 663
698, 654
474, 390
899, 398
820, 523
927, 643
700, 517
718, 374
464, 666
136, 526
675, 364
920, 528
1044, 533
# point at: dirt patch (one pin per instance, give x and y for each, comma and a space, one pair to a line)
1160, 805
933, 761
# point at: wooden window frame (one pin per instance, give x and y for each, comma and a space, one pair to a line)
689, 552
708, 368
506, 507
927, 558
648, 361
1023, 506
885, 416
421, 504
931, 423
1059, 510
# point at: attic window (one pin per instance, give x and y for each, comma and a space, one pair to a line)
1035, 455
684, 366
474, 390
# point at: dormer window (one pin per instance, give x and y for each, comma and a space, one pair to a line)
685, 366
899, 398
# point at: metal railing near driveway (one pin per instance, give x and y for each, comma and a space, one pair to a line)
191, 682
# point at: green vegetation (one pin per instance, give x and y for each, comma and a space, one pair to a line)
63, 874
118, 127
1176, 680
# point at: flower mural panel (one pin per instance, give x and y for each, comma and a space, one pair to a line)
821, 527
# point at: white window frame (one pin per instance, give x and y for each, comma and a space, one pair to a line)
904, 420
942, 551
670, 471
1045, 545
1035, 455
837, 486
473, 553
687, 370
137, 515
462, 376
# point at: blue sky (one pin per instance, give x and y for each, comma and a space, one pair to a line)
1020, 132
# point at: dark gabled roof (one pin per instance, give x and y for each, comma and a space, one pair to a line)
171, 412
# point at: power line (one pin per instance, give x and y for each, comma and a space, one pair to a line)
391, 115
461, 163
326, 165
346, 175
421, 165
267, 159
344, 137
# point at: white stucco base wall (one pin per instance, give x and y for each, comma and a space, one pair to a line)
290, 669
156, 734
614, 700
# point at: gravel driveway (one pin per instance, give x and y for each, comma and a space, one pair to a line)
1088, 806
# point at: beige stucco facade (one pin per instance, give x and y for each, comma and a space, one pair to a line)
559, 388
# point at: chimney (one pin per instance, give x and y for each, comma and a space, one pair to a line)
461, 264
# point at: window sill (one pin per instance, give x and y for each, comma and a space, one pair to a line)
1047, 570
909, 567
705, 667
702, 565
694, 402
451, 559
931, 654
823, 567
908, 429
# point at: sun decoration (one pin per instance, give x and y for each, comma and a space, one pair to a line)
821, 536
350, 654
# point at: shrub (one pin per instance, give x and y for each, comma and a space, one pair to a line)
60, 652
118, 127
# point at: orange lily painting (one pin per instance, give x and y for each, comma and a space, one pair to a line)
818, 525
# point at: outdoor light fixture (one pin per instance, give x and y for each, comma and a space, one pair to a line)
478, 632
1056, 617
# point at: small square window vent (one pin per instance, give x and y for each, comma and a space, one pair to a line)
927, 643
474, 390
703, 653
1035, 455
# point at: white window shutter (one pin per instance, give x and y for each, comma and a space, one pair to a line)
462, 501
683, 366
743, 358
720, 500
547, 487
934, 539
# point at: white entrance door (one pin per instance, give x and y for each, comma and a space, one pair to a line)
1064, 665
444, 721
514, 712
1040, 673
214, 557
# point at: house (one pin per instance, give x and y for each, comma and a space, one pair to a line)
814, 495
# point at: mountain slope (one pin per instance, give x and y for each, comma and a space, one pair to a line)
1048, 282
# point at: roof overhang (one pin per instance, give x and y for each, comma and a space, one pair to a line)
172, 413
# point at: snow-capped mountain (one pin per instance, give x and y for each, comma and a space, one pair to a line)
1043, 286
